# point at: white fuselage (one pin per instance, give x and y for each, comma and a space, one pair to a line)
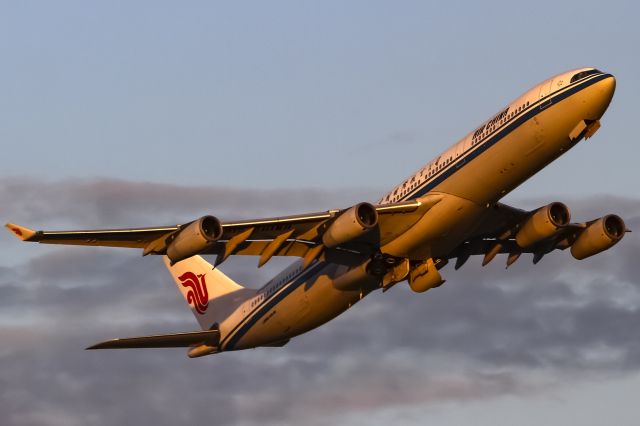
471, 176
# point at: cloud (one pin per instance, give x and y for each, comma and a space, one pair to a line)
487, 332
112, 202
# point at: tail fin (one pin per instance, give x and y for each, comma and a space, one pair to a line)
212, 295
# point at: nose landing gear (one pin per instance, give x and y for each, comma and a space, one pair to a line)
422, 275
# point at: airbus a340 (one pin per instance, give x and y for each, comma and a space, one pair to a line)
449, 209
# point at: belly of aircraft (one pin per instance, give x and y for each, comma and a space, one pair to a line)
308, 306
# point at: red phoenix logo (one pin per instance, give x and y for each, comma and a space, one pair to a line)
197, 295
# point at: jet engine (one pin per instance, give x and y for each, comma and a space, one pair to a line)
352, 223
598, 236
425, 276
542, 224
194, 238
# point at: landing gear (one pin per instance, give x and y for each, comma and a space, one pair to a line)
388, 269
380, 264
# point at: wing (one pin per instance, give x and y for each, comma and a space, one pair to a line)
497, 232
299, 235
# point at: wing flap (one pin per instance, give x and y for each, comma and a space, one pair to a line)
178, 340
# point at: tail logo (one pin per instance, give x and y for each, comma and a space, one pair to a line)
198, 296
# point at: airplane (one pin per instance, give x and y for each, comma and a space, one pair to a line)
449, 209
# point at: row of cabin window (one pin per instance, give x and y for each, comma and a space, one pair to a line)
431, 171
256, 300
502, 121
446, 162
284, 280
413, 184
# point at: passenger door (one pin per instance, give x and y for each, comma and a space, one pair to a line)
545, 88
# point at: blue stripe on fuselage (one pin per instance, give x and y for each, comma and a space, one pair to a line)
254, 316
481, 146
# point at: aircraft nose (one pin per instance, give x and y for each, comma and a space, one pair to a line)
608, 87
604, 91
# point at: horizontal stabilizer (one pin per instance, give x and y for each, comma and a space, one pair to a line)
178, 340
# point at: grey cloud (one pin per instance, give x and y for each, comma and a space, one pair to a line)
111, 202
486, 332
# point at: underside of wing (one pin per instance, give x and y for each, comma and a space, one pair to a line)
512, 231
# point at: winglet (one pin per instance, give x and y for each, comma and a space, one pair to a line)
21, 232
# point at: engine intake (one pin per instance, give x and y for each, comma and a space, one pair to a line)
193, 238
601, 235
352, 223
543, 224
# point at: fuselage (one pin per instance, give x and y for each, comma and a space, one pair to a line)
470, 177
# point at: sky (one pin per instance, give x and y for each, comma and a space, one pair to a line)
119, 114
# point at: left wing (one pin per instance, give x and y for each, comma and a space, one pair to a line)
514, 231
300, 235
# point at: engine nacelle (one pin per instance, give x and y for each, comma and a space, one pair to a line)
599, 236
194, 238
425, 276
351, 224
543, 224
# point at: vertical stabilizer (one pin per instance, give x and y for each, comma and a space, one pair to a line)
211, 295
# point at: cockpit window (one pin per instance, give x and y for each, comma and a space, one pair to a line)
583, 74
